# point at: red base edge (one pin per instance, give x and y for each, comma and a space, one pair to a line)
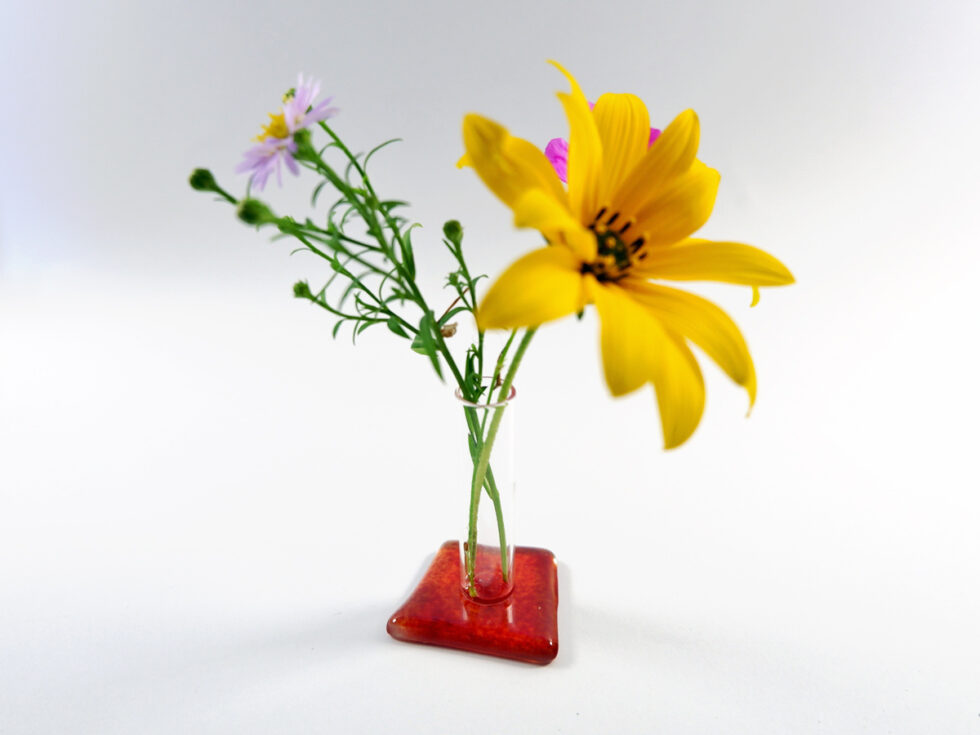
523, 627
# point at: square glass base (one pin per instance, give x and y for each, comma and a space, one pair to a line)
523, 626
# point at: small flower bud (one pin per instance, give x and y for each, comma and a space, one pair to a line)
203, 180
448, 330
301, 290
254, 212
453, 231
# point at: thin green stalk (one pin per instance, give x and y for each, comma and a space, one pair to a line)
382, 308
501, 529
224, 194
374, 227
496, 374
479, 355
483, 463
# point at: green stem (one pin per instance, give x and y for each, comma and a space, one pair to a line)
494, 494
367, 211
479, 353
501, 530
224, 194
483, 462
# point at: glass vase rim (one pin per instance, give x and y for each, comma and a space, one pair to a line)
496, 404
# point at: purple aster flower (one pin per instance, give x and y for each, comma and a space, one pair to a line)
268, 156
299, 111
275, 143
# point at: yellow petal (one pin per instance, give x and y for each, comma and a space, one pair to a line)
670, 156
540, 211
704, 324
544, 285
624, 130
680, 395
637, 349
631, 338
705, 260
679, 209
509, 166
584, 151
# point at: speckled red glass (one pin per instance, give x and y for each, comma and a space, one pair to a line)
524, 626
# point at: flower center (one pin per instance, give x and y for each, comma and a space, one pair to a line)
276, 128
615, 246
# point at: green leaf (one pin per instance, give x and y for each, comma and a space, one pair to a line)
389, 205
472, 357
408, 252
351, 287
363, 326
397, 295
376, 149
395, 326
408, 255
451, 313
424, 342
316, 192
418, 343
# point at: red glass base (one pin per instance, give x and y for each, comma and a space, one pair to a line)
524, 626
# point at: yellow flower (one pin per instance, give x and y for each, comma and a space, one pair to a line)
624, 221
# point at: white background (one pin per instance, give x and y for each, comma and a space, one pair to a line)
208, 508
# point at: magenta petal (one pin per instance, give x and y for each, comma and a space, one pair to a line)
557, 153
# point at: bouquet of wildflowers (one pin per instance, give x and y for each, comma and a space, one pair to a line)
616, 204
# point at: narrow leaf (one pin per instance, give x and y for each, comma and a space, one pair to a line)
427, 343
316, 191
397, 328
451, 313
376, 149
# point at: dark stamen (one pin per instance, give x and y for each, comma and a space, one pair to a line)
641, 256
625, 227
613, 218
636, 244
599, 216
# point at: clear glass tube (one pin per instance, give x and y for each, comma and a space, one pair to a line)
486, 477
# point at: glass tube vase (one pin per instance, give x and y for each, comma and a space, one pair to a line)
481, 593
487, 474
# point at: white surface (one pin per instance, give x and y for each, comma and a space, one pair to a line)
194, 535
